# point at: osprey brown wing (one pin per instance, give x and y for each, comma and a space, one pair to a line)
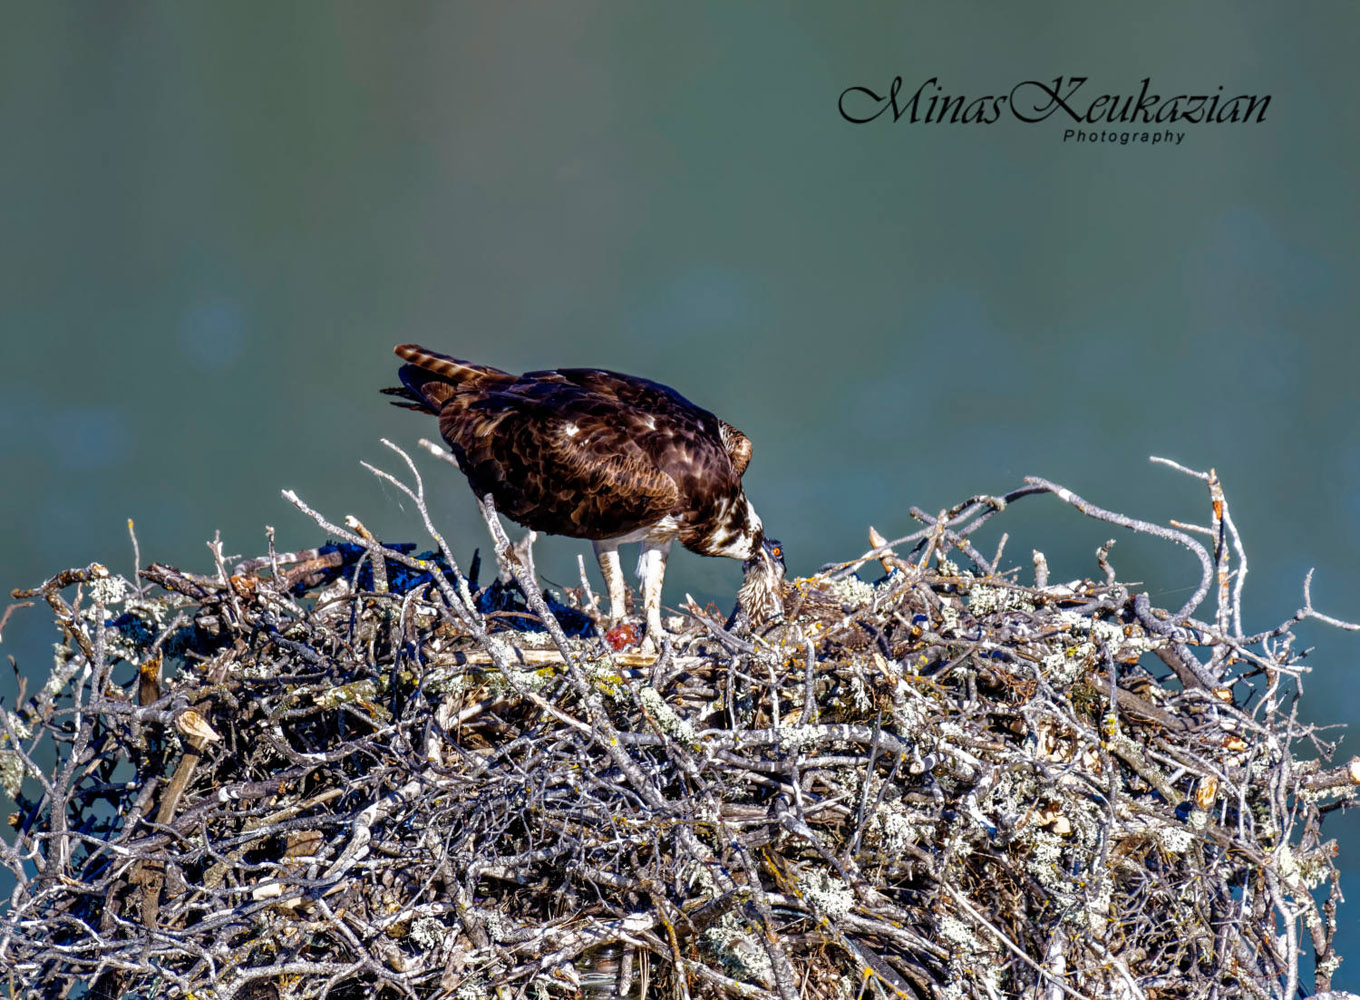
738, 446
558, 458
680, 416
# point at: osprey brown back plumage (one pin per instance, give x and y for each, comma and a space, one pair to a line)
593, 454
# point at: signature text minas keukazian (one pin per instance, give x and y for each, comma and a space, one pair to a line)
1067, 98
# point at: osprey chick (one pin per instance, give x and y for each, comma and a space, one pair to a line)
613, 458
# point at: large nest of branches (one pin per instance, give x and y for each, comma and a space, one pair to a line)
356, 772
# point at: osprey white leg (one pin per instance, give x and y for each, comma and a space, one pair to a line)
651, 570
607, 552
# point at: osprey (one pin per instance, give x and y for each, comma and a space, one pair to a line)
613, 458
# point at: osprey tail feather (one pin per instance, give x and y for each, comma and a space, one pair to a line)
429, 378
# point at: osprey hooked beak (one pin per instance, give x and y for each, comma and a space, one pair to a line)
759, 600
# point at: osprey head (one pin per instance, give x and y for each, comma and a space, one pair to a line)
760, 596
769, 554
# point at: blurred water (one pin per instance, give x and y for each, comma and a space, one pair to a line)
218, 220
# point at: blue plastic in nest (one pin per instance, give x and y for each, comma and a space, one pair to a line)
504, 601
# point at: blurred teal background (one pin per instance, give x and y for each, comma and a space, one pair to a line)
218, 219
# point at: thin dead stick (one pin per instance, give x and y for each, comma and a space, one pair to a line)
1146, 528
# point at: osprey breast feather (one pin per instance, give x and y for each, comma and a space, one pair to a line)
599, 455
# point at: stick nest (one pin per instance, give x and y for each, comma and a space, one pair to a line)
338, 774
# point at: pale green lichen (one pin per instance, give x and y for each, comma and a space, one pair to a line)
827, 893
108, 590
1049, 862
852, 592
356, 692
605, 676
949, 728
985, 600
11, 773
1106, 633
798, 738
526, 679
61, 671
18, 726
1326, 792
741, 954
1064, 666
1297, 873
1175, 839
529, 679
956, 932
494, 921
446, 681
1100, 903
697, 874
473, 988
429, 933
860, 695
947, 567
901, 830
911, 710
534, 640
968, 952
666, 718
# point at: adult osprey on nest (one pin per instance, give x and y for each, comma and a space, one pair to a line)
599, 455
